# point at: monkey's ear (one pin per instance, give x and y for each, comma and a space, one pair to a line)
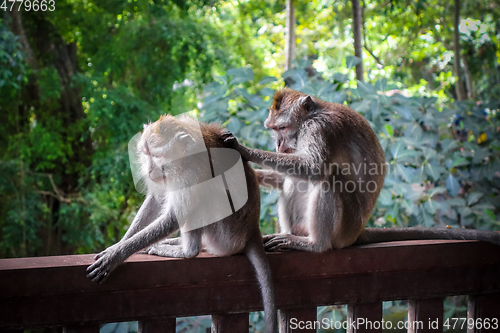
184, 138
307, 103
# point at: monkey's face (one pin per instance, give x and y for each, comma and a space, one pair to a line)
290, 108
285, 133
160, 150
284, 123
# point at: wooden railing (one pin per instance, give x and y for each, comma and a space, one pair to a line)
53, 291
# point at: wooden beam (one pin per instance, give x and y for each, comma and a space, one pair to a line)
47, 291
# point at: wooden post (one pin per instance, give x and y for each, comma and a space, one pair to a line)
157, 325
230, 323
291, 317
87, 328
483, 312
367, 317
425, 315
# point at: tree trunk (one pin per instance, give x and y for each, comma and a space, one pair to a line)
459, 84
468, 83
356, 28
290, 35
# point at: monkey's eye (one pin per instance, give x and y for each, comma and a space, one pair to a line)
281, 128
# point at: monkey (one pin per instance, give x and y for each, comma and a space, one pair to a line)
330, 168
171, 165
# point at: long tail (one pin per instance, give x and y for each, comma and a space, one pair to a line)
257, 256
377, 235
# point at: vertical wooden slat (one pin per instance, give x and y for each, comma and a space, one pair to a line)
425, 315
87, 328
157, 325
230, 323
291, 318
484, 310
367, 317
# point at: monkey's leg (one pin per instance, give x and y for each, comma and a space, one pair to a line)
189, 248
170, 241
285, 207
319, 224
113, 256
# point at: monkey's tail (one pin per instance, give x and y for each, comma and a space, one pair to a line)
378, 235
257, 256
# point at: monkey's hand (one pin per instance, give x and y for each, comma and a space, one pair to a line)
230, 141
106, 262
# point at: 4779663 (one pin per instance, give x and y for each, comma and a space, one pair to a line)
471, 323
28, 5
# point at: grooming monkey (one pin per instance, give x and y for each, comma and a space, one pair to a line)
170, 160
330, 168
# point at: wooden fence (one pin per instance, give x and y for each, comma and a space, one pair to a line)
53, 291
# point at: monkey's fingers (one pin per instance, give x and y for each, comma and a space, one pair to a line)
101, 277
277, 243
229, 139
267, 238
97, 274
94, 269
226, 133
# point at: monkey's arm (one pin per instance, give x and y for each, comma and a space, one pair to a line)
270, 179
114, 255
300, 166
149, 211
308, 165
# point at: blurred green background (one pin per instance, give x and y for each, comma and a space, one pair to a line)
77, 82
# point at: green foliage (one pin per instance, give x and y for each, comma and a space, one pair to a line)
12, 67
442, 165
139, 59
66, 184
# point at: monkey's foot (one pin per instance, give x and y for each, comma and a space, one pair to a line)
106, 262
286, 242
169, 251
267, 238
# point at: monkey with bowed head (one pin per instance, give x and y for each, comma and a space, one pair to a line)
172, 167
330, 168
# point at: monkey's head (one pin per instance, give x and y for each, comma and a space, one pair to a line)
161, 148
287, 113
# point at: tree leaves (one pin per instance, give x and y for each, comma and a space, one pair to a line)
240, 75
352, 61
452, 185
